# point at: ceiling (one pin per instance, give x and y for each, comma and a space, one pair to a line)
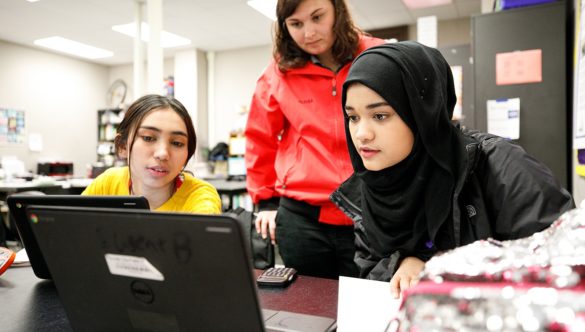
212, 25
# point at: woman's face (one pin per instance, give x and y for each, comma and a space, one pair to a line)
159, 152
378, 133
311, 26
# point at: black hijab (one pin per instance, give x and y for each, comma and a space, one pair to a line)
405, 205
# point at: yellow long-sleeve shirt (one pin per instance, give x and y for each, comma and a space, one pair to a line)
193, 196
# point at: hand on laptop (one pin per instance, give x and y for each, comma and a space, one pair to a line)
266, 224
406, 276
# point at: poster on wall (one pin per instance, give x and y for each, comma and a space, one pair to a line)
504, 117
11, 126
579, 79
519, 67
458, 82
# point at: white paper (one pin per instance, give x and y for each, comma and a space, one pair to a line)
132, 266
458, 83
237, 146
365, 305
504, 117
35, 142
579, 81
426, 31
21, 258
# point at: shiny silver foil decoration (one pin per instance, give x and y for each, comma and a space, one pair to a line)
535, 283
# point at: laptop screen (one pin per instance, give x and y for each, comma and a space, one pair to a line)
142, 270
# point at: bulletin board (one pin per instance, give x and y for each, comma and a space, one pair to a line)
544, 123
12, 126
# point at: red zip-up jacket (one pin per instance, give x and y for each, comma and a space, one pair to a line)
295, 136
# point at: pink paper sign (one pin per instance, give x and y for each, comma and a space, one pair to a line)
519, 67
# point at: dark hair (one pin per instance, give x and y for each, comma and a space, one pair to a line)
140, 109
289, 55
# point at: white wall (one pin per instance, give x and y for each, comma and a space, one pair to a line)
61, 96
234, 80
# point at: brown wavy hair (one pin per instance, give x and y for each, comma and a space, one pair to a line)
289, 55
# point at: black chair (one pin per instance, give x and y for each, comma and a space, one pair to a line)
3, 232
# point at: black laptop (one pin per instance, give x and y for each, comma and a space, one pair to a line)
17, 206
132, 270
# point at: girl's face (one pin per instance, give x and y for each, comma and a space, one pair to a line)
311, 26
159, 152
378, 133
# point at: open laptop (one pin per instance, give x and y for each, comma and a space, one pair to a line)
132, 270
17, 204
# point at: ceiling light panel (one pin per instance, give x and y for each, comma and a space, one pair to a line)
72, 47
264, 7
168, 39
418, 4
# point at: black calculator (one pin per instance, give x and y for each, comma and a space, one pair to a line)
277, 277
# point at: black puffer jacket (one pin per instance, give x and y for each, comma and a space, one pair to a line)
503, 194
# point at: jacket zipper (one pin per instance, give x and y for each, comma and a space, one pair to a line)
334, 86
346, 205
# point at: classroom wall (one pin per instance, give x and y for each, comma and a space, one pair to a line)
126, 73
60, 96
234, 74
234, 81
449, 32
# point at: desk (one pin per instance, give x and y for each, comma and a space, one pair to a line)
61, 187
32, 304
8, 188
50, 187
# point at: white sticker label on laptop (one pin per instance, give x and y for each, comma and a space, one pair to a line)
132, 266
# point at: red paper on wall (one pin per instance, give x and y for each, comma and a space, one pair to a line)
519, 67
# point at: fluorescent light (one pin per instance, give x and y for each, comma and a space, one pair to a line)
418, 4
265, 7
167, 39
72, 47
32, 0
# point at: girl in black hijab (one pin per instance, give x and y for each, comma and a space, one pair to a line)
422, 185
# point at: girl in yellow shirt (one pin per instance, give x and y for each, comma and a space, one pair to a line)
157, 139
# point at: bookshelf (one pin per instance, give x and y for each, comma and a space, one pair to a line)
108, 121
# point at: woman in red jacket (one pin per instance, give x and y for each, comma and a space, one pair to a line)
296, 151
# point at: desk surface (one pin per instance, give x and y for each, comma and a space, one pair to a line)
11, 187
8, 188
32, 304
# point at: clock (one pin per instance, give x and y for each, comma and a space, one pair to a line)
116, 94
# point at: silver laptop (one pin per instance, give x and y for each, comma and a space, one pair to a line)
133, 270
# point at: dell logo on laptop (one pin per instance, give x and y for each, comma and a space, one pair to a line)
142, 292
